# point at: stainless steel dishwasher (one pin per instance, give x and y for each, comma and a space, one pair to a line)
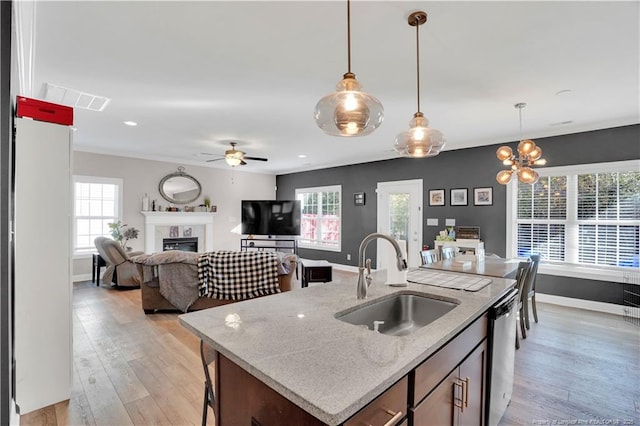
501, 356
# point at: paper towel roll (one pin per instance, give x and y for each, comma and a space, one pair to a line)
393, 275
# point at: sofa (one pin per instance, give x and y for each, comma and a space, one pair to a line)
173, 280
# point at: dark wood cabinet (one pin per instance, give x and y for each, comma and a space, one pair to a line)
446, 389
390, 408
453, 380
241, 399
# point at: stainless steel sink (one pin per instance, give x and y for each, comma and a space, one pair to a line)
398, 315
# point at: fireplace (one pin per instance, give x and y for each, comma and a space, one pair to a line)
153, 220
184, 244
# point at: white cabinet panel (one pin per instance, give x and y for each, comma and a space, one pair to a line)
42, 279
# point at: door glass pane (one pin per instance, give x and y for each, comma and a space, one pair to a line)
399, 216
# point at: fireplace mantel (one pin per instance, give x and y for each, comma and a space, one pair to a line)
153, 219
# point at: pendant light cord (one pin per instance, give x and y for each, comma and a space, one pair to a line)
418, 65
349, 36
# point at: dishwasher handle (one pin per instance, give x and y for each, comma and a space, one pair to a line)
505, 305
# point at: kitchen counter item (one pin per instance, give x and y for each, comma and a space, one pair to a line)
490, 266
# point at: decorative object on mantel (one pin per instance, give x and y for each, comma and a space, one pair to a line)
419, 141
179, 187
145, 203
349, 111
122, 235
529, 154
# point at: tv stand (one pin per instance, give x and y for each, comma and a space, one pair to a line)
270, 243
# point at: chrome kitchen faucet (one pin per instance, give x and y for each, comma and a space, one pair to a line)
362, 262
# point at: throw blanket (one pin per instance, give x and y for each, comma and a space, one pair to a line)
233, 275
176, 274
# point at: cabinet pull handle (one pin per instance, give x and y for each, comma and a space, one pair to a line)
458, 401
396, 416
465, 391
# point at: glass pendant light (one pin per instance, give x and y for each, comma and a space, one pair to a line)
420, 140
529, 154
349, 111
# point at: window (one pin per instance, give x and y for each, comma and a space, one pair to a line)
97, 202
587, 215
321, 223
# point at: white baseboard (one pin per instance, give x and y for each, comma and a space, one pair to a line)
14, 417
81, 277
589, 305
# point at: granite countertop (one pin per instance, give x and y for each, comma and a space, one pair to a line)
293, 343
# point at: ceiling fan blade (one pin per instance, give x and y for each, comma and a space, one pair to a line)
243, 163
255, 158
215, 159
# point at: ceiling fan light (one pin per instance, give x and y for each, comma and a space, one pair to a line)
349, 111
504, 153
233, 161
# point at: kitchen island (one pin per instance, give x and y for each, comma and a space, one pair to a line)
293, 344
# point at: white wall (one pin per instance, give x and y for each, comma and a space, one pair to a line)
142, 176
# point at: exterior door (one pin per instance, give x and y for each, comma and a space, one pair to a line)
400, 215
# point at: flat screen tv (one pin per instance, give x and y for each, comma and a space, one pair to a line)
271, 217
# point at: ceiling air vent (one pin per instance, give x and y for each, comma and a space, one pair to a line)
74, 98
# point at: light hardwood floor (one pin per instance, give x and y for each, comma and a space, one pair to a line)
575, 367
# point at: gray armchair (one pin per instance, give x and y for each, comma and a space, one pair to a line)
120, 270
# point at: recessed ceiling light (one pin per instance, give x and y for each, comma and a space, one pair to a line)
564, 92
131, 123
302, 156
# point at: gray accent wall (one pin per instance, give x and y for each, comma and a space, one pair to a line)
465, 168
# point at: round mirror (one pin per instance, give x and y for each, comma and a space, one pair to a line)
179, 187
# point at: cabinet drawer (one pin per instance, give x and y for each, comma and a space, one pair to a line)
428, 374
382, 409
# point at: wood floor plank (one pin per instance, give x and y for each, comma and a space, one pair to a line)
145, 411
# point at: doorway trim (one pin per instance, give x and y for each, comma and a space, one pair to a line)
415, 188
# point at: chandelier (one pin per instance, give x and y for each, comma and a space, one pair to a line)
349, 111
420, 140
529, 154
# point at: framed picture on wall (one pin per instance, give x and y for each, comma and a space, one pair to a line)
458, 197
436, 197
358, 199
483, 196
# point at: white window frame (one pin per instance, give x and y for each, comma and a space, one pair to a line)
319, 245
99, 180
569, 268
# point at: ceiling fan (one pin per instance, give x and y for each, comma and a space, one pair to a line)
235, 157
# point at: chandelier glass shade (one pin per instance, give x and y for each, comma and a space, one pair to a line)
349, 111
420, 140
528, 154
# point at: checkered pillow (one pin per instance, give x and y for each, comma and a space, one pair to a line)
237, 275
